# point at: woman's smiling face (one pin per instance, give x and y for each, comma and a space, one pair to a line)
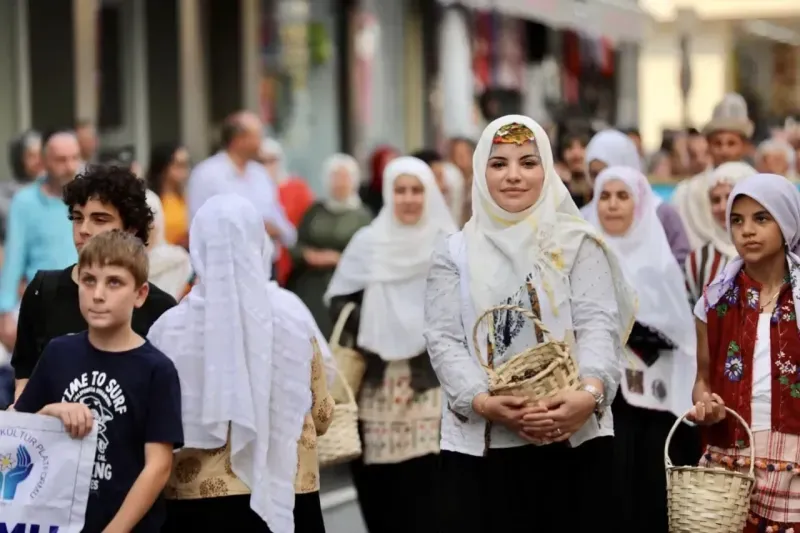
515, 175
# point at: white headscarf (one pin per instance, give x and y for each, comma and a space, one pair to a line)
170, 266
614, 149
244, 363
504, 248
349, 164
731, 173
270, 146
650, 266
455, 188
389, 261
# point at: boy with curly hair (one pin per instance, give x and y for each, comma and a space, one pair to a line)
101, 199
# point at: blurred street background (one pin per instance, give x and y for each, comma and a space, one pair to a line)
332, 76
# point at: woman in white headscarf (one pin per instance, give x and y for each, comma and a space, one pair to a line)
323, 234
660, 365
704, 263
252, 384
612, 148
170, 266
505, 461
383, 271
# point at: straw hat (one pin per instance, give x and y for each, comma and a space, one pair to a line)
730, 115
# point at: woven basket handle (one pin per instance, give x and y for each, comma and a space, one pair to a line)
350, 396
668, 461
338, 328
505, 307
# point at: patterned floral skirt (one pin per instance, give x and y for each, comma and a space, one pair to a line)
398, 423
775, 505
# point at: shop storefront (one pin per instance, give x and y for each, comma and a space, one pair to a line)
299, 85
546, 59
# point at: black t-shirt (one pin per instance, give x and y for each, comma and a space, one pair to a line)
43, 317
135, 398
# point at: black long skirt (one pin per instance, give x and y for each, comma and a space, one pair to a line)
639, 482
528, 489
399, 498
233, 514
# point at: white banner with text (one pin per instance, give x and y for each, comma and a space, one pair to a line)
44, 475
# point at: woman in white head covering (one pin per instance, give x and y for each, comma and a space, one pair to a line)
612, 148
170, 266
660, 365
525, 245
252, 382
704, 263
748, 351
323, 234
383, 271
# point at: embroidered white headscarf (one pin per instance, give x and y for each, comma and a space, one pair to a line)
170, 266
389, 261
503, 248
650, 266
244, 363
781, 198
350, 165
730, 173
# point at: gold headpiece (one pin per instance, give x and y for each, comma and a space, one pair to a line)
513, 134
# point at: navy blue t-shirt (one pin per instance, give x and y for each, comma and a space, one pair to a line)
135, 397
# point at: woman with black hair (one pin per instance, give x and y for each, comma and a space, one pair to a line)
571, 153
167, 177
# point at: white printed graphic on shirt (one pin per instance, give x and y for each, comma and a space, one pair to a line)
104, 398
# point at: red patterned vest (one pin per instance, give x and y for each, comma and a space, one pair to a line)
732, 325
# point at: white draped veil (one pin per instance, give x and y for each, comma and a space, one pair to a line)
244, 364
650, 266
389, 261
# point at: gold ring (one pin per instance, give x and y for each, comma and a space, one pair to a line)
558, 430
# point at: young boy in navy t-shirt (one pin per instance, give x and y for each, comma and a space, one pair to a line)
112, 377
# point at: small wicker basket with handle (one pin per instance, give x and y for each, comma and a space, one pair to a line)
341, 443
701, 499
350, 363
536, 373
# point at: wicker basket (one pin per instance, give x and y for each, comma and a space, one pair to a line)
350, 363
537, 373
701, 499
341, 443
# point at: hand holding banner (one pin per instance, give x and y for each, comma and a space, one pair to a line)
44, 474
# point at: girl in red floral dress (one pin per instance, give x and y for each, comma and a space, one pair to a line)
748, 351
